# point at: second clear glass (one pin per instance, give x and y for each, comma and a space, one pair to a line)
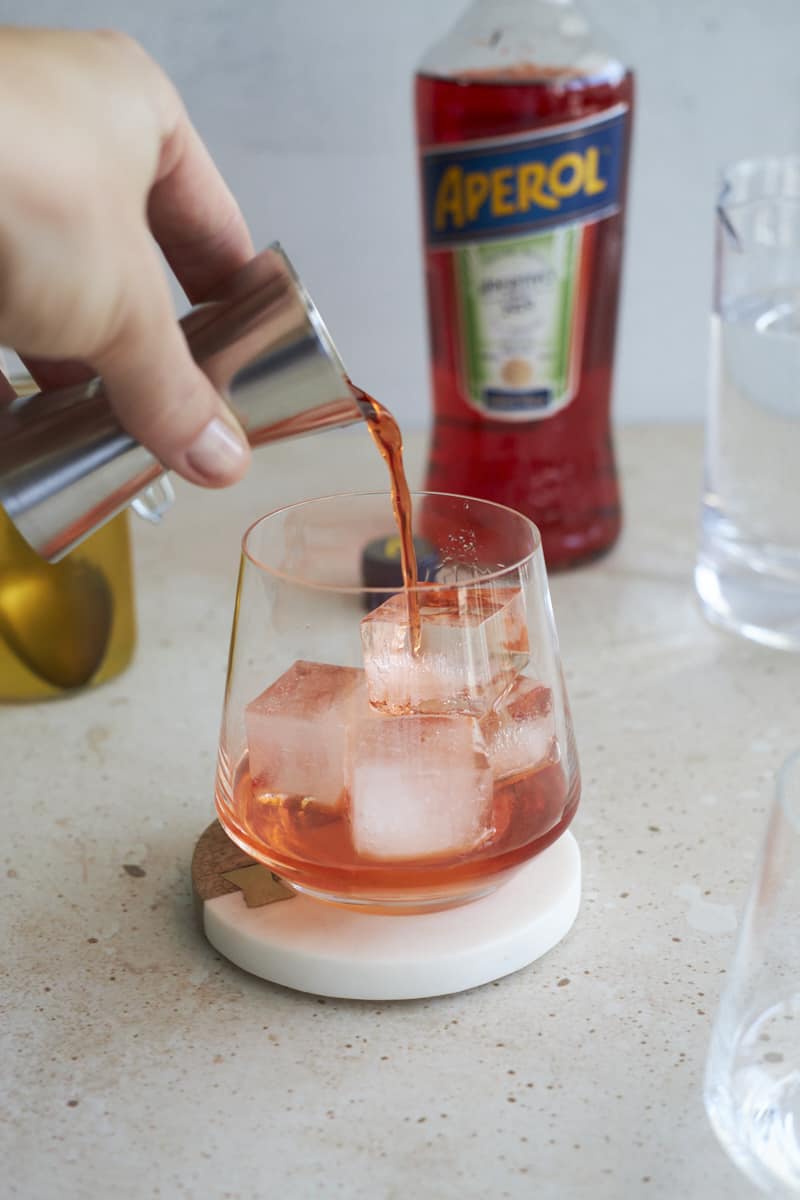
752, 1089
748, 567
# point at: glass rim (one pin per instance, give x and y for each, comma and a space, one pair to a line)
361, 589
735, 172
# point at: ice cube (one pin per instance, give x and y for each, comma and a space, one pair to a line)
473, 643
296, 731
420, 787
520, 731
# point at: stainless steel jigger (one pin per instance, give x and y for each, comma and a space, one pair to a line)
66, 464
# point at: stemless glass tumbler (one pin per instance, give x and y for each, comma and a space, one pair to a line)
752, 1089
748, 566
398, 750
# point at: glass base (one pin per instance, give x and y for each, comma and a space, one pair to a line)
403, 905
752, 1096
755, 601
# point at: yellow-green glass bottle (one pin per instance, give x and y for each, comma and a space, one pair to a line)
68, 625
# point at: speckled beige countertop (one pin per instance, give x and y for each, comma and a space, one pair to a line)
136, 1063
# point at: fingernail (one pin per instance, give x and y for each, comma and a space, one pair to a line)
218, 452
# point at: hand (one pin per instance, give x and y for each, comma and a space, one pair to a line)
98, 163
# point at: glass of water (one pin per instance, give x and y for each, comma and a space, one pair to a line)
752, 1086
748, 567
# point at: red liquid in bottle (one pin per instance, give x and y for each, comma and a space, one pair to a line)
559, 470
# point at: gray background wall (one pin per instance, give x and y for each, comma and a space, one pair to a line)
306, 104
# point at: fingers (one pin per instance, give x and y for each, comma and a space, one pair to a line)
194, 217
82, 279
159, 394
57, 373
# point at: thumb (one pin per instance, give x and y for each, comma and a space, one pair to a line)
158, 392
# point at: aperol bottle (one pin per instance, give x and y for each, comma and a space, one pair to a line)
524, 131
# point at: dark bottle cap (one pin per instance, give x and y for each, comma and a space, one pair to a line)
381, 566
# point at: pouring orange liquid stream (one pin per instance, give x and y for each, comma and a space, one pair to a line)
386, 435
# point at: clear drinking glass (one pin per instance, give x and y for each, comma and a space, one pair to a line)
752, 1087
362, 770
748, 567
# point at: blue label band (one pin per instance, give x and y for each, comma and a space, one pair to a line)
502, 187
501, 400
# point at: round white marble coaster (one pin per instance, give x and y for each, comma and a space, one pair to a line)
325, 950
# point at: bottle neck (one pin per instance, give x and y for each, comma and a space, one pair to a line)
502, 38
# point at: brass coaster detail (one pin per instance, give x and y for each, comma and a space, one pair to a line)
219, 867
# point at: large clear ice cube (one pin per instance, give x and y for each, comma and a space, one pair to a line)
520, 731
473, 643
420, 787
297, 731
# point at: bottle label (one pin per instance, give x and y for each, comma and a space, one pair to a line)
522, 323
513, 211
